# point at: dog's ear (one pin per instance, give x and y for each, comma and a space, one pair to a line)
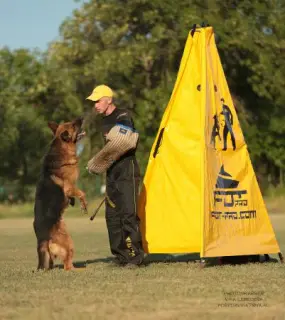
53, 126
78, 122
65, 136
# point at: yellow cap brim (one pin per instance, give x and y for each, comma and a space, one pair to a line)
93, 97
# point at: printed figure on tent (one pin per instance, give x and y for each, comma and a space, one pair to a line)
226, 112
215, 131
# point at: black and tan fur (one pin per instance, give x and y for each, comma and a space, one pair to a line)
55, 190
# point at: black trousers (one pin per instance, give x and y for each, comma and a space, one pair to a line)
121, 211
225, 135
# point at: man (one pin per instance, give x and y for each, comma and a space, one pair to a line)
226, 112
118, 159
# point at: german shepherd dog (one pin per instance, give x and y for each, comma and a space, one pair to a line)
54, 192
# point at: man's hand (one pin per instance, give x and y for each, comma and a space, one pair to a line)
89, 171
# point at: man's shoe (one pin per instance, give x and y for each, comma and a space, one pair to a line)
117, 262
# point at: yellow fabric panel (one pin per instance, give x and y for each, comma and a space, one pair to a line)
170, 201
197, 197
236, 221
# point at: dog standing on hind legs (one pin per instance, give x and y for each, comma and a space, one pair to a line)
55, 191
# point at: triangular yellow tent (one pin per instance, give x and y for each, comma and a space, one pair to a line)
200, 193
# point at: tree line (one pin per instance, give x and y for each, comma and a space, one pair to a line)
136, 47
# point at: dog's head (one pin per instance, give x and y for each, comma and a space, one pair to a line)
67, 132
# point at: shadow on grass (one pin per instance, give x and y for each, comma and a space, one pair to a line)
84, 264
175, 258
150, 259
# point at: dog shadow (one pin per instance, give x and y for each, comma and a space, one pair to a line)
84, 263
169, 259
150, 259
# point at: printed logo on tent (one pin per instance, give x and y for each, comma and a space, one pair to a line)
230, 199
223, 126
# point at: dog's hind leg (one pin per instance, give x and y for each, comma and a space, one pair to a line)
51, 263
69, 250
67, 262
63, 253
43, 256
72, 201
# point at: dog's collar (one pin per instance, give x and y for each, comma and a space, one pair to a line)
58, 165
69, 164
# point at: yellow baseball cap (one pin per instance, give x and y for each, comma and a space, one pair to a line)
99, 92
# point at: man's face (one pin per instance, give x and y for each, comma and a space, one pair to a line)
102, 104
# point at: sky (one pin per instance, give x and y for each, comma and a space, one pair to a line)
32, 23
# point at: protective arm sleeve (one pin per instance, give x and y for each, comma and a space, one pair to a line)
120, 139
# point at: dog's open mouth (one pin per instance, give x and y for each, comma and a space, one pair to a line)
81, 134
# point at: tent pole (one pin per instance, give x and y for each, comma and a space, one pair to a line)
202, 263
266, 256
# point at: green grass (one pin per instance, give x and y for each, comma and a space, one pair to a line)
275, 204
162, 290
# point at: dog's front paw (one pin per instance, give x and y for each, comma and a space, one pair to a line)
72, 201
83, 208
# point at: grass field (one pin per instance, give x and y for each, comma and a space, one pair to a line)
162, 290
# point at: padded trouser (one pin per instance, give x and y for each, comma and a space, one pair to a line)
121, 213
